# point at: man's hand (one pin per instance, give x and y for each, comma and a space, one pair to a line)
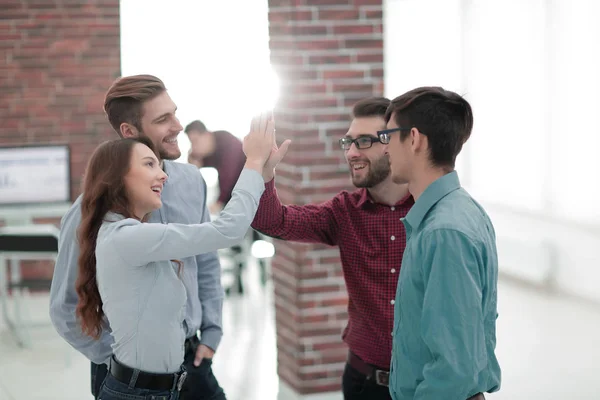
203, 351
277, 154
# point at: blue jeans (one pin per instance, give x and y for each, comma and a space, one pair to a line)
112, 389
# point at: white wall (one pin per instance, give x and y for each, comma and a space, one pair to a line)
212, 55
530, 70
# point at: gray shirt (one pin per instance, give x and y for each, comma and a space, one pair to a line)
143, 298
184, 201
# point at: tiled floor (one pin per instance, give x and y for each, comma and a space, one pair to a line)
548, 349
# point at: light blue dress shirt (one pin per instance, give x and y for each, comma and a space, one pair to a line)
143, 298
184, 202
446, 301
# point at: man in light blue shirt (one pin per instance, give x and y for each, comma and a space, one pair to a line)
140, 105
446, 302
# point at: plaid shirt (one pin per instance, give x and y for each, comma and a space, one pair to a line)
371, 239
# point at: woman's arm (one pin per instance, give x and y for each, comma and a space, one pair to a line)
140, 243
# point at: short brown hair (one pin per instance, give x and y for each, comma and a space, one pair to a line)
197, 126
371, 107
444, 117
124, 99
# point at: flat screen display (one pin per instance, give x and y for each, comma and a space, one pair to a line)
36, 174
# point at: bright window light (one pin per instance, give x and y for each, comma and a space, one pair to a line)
214, 62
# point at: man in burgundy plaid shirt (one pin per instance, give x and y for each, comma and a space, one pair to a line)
365, 225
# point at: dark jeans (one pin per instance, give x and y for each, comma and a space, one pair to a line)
357, 386
99, 372
112, 389
200, 383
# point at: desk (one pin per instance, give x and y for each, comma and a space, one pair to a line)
22, 243
15, 215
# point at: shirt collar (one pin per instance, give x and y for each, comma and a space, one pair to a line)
166, 167
365, 199
112, 216
434, 193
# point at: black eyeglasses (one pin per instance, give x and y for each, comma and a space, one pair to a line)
384, 135
361, 142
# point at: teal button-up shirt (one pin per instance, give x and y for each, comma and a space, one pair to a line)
446, 301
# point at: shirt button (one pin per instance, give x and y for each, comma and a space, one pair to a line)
393, 238
393, 270
392, 333
392, 208
392, 302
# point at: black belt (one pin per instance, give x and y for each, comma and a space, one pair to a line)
147, 380
380, 376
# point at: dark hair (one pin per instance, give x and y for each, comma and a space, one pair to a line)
124, 99
443, 116
197, 126
371, 107
103, 191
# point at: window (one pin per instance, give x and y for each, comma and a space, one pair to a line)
212, 72
530, 70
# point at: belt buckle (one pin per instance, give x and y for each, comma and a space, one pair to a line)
181, 380
382, 378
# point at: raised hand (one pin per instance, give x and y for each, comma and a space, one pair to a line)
277, 154
258, 144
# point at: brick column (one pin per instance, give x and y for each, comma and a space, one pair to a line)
328, 54
58, 58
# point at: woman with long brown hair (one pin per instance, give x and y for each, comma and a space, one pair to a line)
128, 277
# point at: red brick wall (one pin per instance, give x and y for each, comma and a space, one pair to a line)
57, 59
328, 54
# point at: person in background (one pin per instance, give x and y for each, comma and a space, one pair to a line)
220, 150
445, 310
365, 225
223, 151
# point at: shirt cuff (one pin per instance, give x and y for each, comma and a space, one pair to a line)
211, 338
251, 182
270, 185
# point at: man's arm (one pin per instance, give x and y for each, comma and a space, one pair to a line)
452, 320
210, 289
311, 223
63, 297
230, 158
229, 173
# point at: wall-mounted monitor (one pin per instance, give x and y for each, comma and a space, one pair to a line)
35, 174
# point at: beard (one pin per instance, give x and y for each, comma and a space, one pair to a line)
379, 170
163, 154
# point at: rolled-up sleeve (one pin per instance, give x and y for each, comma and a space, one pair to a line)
452, 321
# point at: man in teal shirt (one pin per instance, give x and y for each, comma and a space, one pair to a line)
446, 301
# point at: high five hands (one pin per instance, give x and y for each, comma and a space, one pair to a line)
260, 146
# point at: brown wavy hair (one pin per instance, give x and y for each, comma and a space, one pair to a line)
103, 191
